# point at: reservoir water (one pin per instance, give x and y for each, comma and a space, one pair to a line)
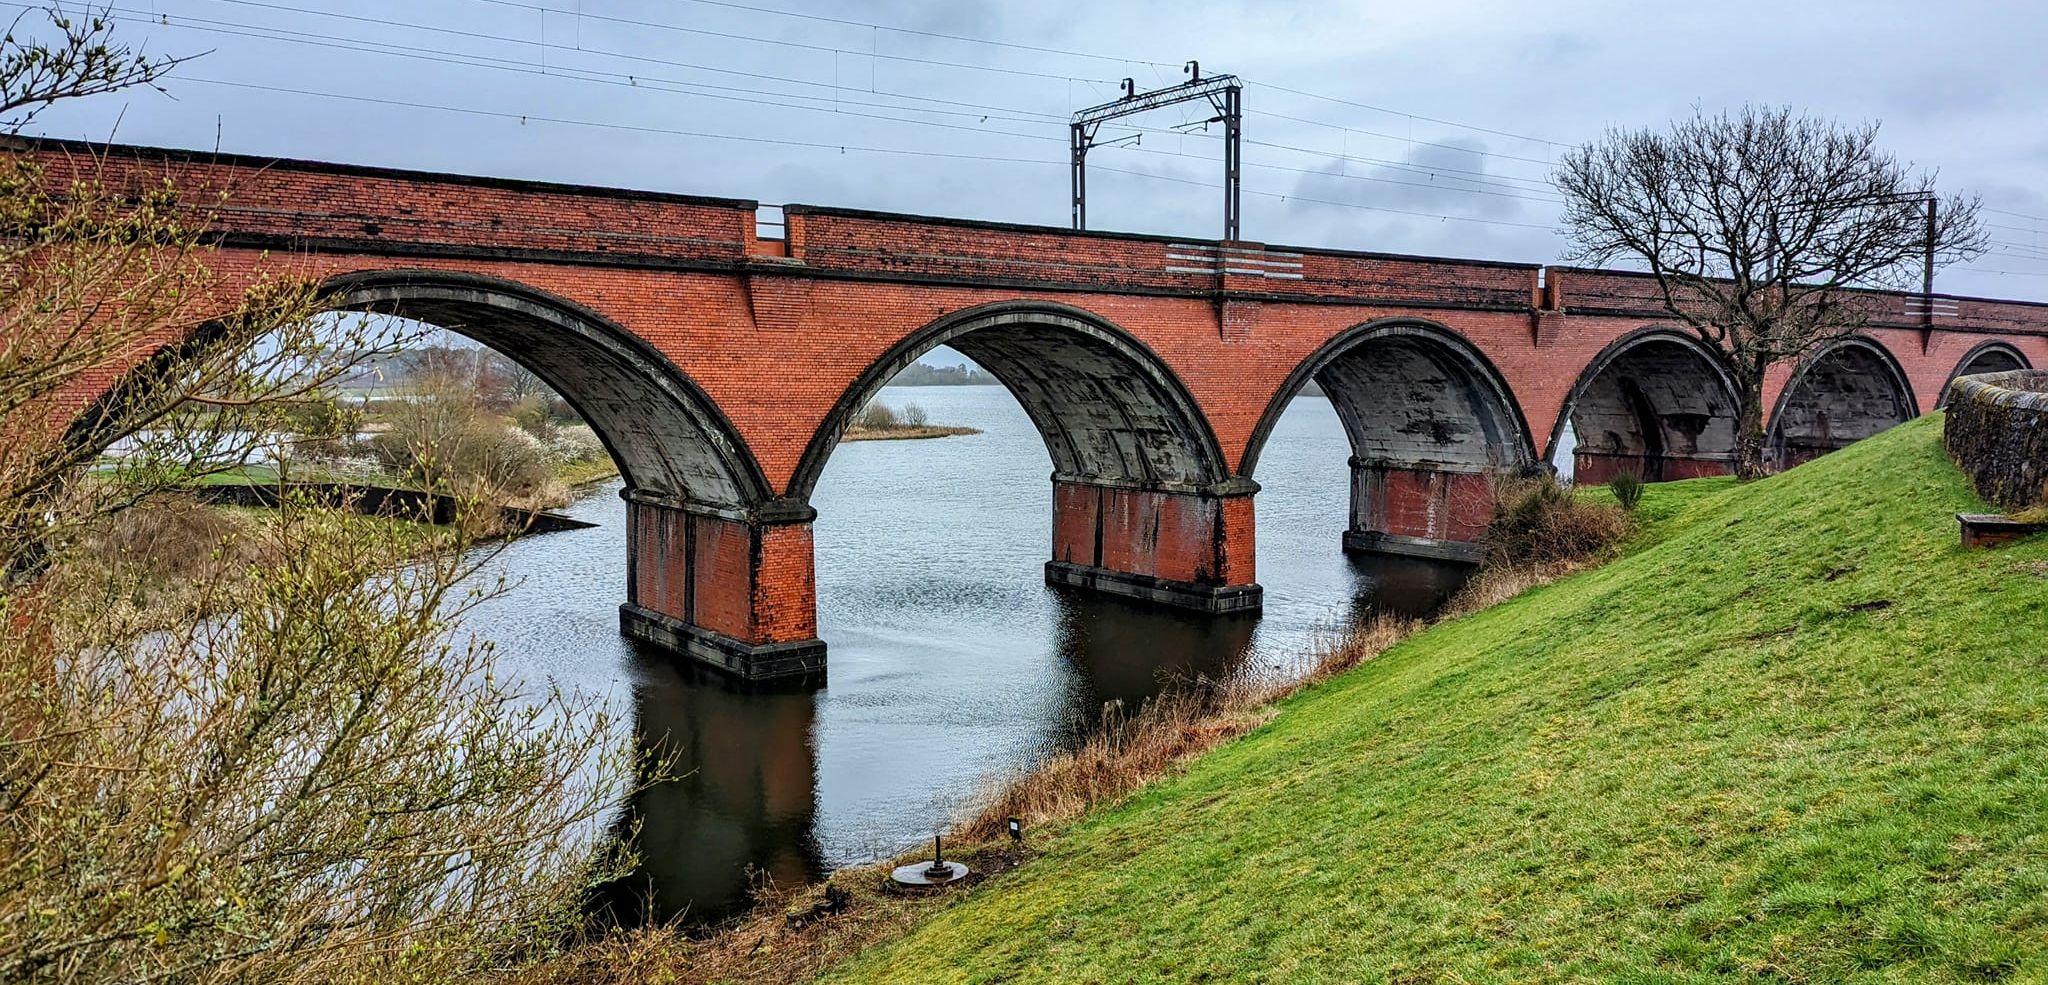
950, 664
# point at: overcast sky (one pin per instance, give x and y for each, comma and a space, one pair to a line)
1413, 127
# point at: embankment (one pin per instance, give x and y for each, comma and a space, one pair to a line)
1795, 734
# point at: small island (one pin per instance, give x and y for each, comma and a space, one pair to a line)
879, 422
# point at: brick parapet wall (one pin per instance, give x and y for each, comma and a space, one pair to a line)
1997, 432
1630, 294
304, 205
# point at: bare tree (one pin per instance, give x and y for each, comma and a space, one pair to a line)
276, 760
1762, 228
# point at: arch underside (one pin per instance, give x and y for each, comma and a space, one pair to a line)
1428, 423
1843, 395
1414, 402
1658, 409
1101, 420
1142, 502
1109, 410
666, 439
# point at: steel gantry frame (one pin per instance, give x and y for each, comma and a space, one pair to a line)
1224, 93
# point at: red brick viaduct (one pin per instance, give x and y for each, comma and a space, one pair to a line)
720, 368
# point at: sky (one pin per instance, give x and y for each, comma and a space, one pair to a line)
1423, 128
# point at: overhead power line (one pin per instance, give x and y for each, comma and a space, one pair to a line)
818, 104
174, 20
987, 111
1007, 44
821, 18
734, 36
1041, 49
631, 127
533, 118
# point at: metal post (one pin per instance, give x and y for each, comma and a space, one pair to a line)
1927, 272
1232, 119
1223, 93
1079, 176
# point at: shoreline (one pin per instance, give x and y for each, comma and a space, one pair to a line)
906, 433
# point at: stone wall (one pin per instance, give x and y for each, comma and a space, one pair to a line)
1997, 431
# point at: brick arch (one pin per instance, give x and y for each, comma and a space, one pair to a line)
1110, 409
1480, 404
1992, 356
1656, 400
671, 442
1429, 418
1847, 391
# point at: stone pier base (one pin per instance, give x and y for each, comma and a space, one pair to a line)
1188, 549
736, 593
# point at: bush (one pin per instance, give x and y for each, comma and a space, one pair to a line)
318, 417
1537, 520
447, 442
914, 416
327, 786
877, 416
1627, 488
168, 539
533, 415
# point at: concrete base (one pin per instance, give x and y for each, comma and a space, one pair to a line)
1179, 594
799, 662
1992, 529
1374, 542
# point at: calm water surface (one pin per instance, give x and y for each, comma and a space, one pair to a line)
951, 663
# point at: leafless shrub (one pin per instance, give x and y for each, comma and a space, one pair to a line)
877, 416
445, 440
319, 785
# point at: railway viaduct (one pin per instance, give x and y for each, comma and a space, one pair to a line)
720, 367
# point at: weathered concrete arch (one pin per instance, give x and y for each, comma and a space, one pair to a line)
1143, 502
1429, 418
1849, 390
1657, 401
669, 440
1991, 356
1109, 408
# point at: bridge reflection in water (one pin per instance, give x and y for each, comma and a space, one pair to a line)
954, 662
742, 808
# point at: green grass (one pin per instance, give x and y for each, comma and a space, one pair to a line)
586, 471
1795, 734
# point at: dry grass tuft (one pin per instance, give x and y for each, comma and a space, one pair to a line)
1539, 521
1492, 586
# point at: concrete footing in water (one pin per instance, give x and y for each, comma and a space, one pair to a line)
1179, 594
796, 663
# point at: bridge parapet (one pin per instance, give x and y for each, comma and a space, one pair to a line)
888, 245
1633, 294
300, 205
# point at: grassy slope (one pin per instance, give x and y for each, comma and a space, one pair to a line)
1719, 758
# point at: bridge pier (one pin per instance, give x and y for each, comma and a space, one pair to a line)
1192, 549
1433, 511
735, 590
